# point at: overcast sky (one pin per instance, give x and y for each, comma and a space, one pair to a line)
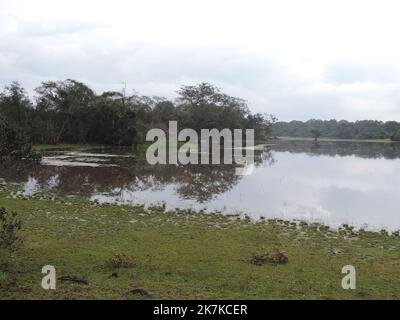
295, 59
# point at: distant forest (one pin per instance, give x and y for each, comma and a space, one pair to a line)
71, 112
366, 129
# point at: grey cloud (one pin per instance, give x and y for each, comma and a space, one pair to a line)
141, 64
86, 52
55, 27
353, 71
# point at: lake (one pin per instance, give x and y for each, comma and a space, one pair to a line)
328, 182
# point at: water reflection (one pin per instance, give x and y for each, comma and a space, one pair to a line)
120, 173
373, 150
333, 183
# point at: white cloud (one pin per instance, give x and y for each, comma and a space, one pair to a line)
296, 59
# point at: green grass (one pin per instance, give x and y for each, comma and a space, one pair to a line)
186, 255
335, 140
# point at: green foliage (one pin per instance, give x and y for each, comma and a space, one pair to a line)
9, 227
71, 112
113, 121
15, 105
396, 136
13, 143
315, 133
204, 106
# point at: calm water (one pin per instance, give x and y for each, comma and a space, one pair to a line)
333, 183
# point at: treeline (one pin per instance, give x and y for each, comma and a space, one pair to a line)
366, 129
71, 112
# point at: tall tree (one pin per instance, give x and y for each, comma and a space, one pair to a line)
15, 105
204, 106
73, 101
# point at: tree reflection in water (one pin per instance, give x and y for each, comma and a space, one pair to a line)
196, 182
370, 150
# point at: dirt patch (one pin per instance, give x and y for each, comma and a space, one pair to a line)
140, 292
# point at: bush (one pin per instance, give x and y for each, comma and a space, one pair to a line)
14, 145
121, 261
276, 257
9, 228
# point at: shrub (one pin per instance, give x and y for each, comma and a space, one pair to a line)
9, 228
14, 145
121, 261
276, 257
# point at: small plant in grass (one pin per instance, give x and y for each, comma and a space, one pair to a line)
276, 257
10, 225
3, 276
396, 233
119, 260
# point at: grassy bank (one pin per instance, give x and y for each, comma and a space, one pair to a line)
185, 255
335, 140
62, 146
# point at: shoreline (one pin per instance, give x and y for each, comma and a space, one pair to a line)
284, 138
8, 192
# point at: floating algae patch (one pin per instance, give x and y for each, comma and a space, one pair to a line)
99, 155
82, 159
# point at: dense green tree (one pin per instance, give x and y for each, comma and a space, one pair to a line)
69, 111
15, 105
204, 106
262, 125
112, 121
396, 136
73, 103
315, 133
163, 112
